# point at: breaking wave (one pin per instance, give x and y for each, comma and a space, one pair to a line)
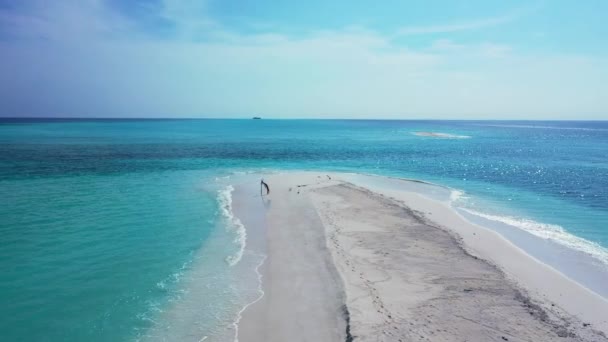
232, 224
440, 135
550, 232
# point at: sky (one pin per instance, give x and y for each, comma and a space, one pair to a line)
419, 59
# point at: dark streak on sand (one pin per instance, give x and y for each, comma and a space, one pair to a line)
460, 283
349, 337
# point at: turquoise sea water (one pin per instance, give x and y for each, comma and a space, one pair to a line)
120, 230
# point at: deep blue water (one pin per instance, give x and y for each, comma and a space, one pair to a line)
102, 220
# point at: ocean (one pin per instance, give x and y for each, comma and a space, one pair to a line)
122, 230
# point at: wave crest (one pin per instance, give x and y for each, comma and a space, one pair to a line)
441, 135
233, 224
551, 232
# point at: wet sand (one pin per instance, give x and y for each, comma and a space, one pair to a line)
345, 263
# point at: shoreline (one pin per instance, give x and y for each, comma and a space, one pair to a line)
305, 187
576, 263
295, 268
239, 315
506, 255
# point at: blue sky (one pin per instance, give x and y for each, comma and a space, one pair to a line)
304, 59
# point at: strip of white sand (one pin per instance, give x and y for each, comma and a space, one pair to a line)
347, 263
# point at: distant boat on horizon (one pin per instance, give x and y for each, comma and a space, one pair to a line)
257, 118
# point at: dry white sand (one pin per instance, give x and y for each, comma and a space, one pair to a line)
345, 263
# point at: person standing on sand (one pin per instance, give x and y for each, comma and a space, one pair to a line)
263, 186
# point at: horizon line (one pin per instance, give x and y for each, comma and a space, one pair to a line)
275, 118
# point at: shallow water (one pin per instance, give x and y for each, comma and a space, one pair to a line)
118, 229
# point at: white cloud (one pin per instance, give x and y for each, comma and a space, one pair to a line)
64, 20
189, 17
448, 28
475, 24
353, 72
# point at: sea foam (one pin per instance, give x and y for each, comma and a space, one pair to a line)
261, 293
441, 135
552, 232
232, 224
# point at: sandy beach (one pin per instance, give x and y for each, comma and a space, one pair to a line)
350, 262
